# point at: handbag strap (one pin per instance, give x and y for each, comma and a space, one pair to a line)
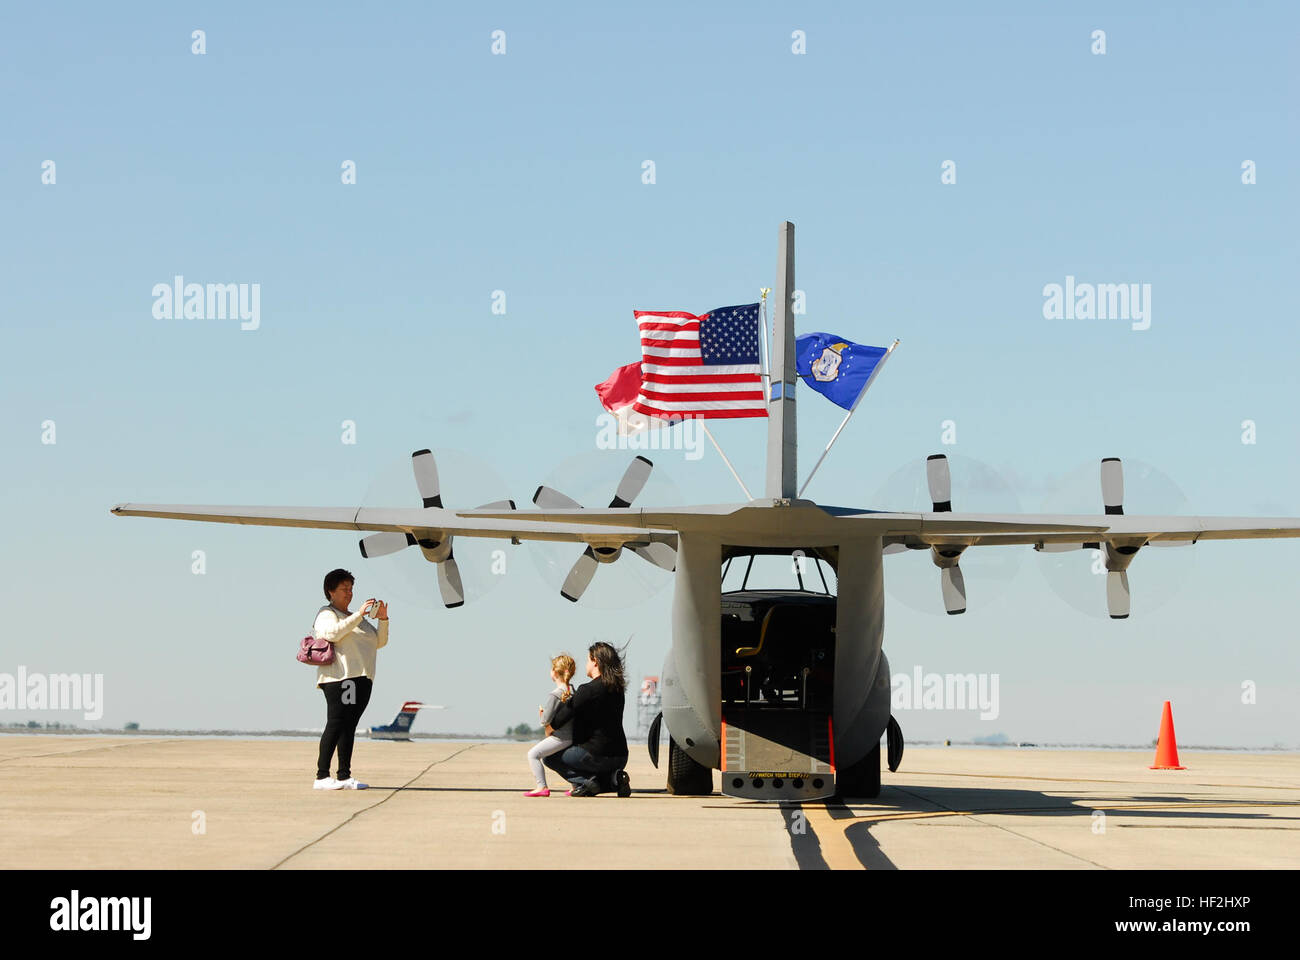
330, 608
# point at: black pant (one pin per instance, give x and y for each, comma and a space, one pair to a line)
345, 701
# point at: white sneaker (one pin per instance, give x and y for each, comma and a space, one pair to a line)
329, 783
352, 783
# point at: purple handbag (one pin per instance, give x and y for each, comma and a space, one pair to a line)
315, 652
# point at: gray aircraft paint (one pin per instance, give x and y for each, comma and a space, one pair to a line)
782, 448
693, 670
859, 717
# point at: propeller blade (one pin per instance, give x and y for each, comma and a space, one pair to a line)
497, 505
380, 544
660, 554
548, 499
1117, 594
453, 594
579, 576
426, 478
1112, 485
954, 589
633, 480
940, 480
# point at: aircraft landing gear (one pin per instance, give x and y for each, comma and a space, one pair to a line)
686, 778
862, 780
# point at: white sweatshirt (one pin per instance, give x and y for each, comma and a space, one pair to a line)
355, 641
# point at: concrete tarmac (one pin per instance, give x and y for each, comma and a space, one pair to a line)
138, 802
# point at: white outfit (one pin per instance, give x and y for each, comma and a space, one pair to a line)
355, 641
557, 741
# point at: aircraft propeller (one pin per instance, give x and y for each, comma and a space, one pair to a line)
580, 574
945, 557
1118, 556
435, 551
1119, 553
951, 581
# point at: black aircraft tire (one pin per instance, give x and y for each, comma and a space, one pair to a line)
686, 778
862, 780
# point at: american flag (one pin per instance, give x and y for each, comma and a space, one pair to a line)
705, 366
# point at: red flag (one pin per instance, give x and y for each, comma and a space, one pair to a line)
621, 388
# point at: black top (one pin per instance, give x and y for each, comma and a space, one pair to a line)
597, 714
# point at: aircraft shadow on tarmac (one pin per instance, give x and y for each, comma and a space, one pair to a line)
914, 803
903, 803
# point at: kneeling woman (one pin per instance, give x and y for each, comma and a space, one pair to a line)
594, 763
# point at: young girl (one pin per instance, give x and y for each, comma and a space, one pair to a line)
562, 671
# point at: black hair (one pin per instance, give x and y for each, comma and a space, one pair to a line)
334, 578
610, 662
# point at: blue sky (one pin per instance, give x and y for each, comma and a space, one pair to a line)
523, 173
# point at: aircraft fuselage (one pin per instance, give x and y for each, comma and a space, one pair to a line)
693, 685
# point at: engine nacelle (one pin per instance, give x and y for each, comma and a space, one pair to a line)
435, 551
606, 554
1120, 555
945, 557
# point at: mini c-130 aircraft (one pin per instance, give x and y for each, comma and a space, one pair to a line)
786, 692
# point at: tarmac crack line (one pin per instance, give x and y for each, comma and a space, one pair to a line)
68, 753
357, 813
997, 826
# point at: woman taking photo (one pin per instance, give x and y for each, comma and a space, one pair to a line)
347, 681
594, 763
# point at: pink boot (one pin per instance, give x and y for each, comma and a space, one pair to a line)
539, 792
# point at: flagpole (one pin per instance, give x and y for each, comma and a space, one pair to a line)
835, 436
765, 344
748, 496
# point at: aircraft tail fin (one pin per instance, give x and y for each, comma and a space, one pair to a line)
400, 728
782, 445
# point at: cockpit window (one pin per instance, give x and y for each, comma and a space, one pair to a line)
769, 571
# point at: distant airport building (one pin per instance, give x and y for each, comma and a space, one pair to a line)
648, 704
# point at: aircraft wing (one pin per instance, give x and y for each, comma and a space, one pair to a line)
616, 527
929, 528
953, 529
426, 523
1123, 536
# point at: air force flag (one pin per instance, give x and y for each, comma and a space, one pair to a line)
836, 368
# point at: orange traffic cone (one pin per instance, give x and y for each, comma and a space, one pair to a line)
1167, 746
